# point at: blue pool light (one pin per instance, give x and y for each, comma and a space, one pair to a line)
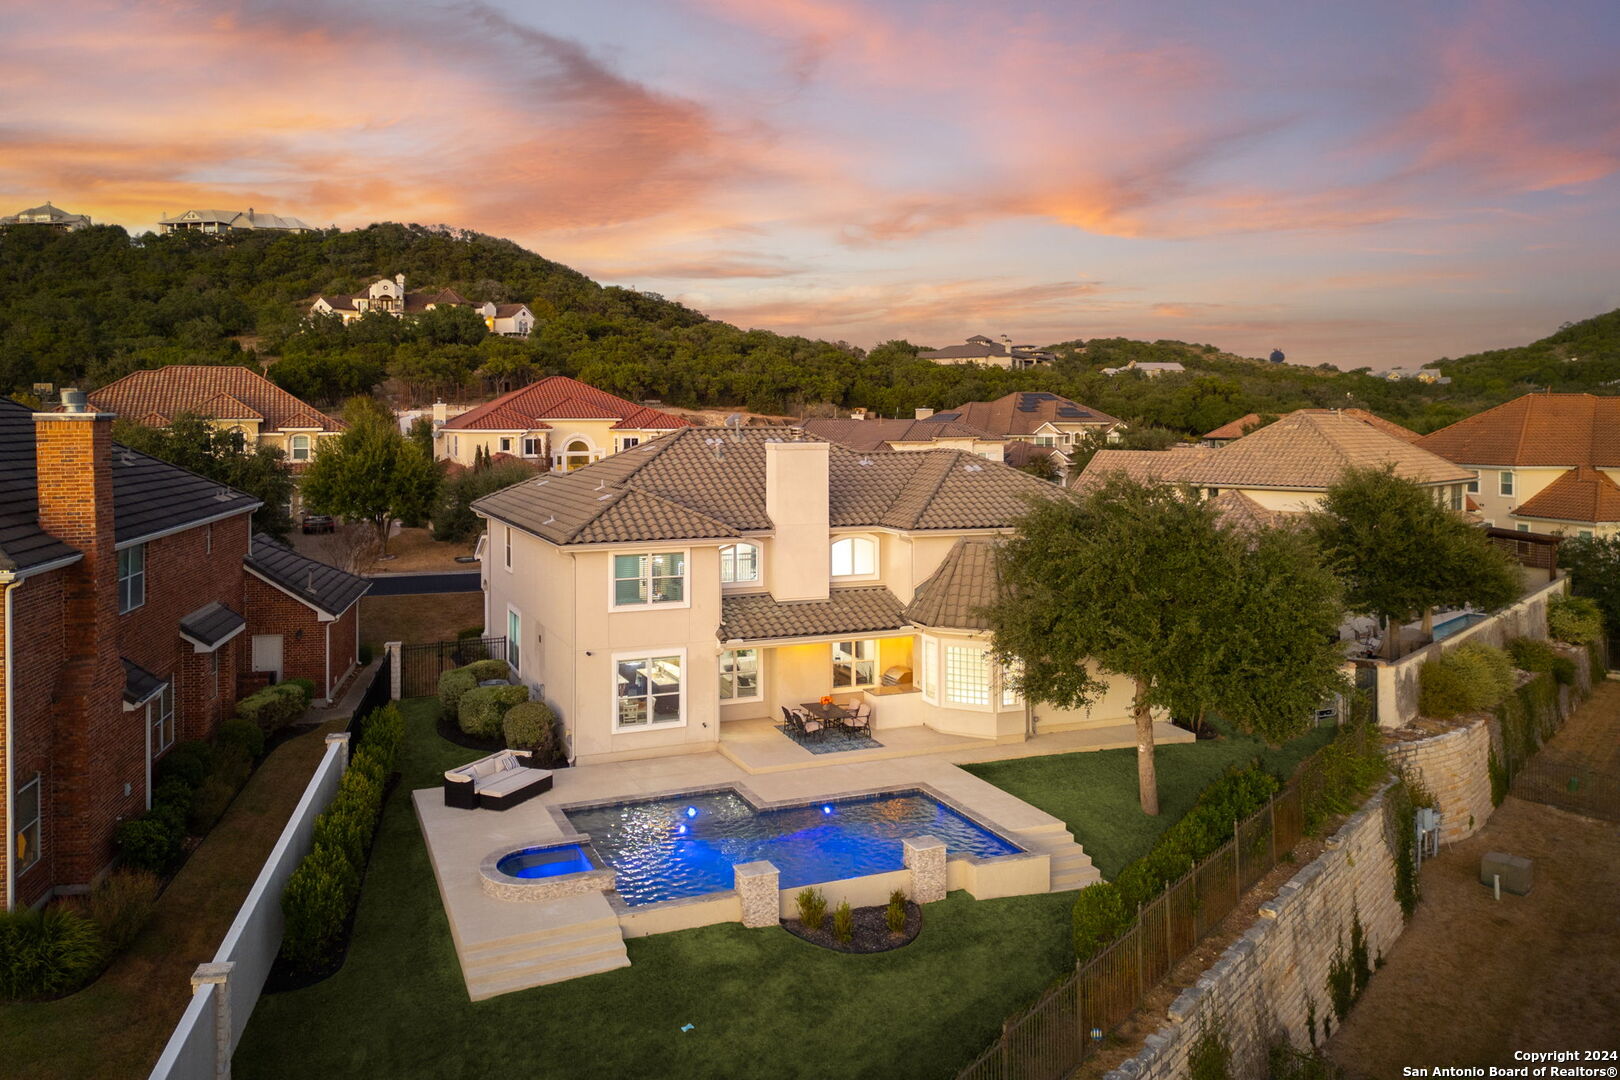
691, 811
826, 809
681, 829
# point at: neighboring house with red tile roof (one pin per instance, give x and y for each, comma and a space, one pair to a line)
1286, 466
1240, 427
235, 398
557, 423
880, 434
391, 298
716, 576
1522, 448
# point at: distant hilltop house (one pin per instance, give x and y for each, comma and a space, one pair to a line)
223, 221
557, 424
1422, 375
391, 298
50, 216
1150, 369
979, 349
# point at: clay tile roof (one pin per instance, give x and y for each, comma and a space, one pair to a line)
1144, 466
1235, 429
955, 595
507, 311
1582, 494
1023, 413
1243, 424
1310, 451
201, 388
1018, 453
519, 410
879, 434
710, 483
1244, 514
760, 617
320, 585
1536, 429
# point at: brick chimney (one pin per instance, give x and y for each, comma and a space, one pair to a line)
98, 746
799, 563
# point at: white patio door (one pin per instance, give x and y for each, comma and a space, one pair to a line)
267, 654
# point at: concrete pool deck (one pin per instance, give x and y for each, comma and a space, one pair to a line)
505, 946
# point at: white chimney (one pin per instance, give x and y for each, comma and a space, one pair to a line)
923, 414
441, 412
798, 565
399, 279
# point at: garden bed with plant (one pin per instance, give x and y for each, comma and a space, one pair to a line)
874, 929
481, 709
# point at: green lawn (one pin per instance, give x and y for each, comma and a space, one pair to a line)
762, 1002
1096, 795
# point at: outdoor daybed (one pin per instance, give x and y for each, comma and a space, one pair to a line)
495, 782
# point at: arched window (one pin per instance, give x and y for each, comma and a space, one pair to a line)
576, 454
854, 556
300, 447
739, 563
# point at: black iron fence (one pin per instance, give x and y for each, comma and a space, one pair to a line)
421, 665
375, 697
1569, 785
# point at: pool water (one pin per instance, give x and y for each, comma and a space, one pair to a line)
545, 862
686, 846
1460, 622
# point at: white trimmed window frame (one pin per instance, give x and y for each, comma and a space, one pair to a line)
160, 715
508, 550
299, 447
131, 578
649, 656
862, 651
729, 564
1504, 482
968, 676
514, 638
853, 561
647, 578
729, 680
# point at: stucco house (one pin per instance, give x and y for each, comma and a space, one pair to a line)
1546, 463
556, 423
126, 628
224, 221
1151, 369
52, 217
718, 575
390, 297
979, 349
1287, 466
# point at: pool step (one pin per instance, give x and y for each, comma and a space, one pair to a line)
548, 960
1071, 866
554, 935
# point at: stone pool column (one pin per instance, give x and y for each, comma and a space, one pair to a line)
925, 858
757, 888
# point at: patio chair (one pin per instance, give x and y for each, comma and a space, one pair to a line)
806, 726
860, 720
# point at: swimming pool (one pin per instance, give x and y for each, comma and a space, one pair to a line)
1456, 623
667, 849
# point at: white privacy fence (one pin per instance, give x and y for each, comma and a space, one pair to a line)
225, 991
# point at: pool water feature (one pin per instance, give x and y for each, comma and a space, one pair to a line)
687, 845
545, 862
1445, 629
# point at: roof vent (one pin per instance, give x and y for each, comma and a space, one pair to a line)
864, 461
310, 587
73, 401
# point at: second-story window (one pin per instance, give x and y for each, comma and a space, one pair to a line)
854, 556
657, 578
739, 563
300, 447
131, 578
509, 547
1506, 487
1473, 485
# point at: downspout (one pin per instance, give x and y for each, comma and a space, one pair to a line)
11, 752
328, 663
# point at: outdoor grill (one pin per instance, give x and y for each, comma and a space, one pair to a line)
899, 675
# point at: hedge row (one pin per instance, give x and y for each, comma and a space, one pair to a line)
323, 890
193, 785
276, 706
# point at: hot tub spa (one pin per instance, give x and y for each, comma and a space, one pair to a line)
544, 872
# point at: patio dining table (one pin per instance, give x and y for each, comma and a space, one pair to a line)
830, 714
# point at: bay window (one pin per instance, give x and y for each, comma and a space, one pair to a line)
739, 564
648, 691
656, 578
854, 663
739, 675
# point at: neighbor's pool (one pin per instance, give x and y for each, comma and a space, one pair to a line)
542, 862
1460, 622
686, 846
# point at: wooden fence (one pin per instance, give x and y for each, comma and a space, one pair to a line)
1061, 1030
421, 665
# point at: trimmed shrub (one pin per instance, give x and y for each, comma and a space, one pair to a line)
346, 826
44, 954
121, 904
174, 793
383, 731
274, 707
189, 762
452, 685
152, 841
1470, 678
209, 804
895, 914
232, 765
843, 922
812, 908
484, 707
306, 687
531, 725
1100, 916
1532, 654
483, 670
243, 735
316, 904
1574, 620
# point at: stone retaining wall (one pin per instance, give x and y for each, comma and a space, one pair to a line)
1272, 979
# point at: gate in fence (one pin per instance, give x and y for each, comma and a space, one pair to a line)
421, 665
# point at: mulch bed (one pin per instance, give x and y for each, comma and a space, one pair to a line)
871, 930
284, 976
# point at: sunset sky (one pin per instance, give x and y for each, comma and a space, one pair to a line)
1364, 183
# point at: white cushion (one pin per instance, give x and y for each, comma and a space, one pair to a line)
509, 781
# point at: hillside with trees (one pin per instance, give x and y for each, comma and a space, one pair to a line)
87, 307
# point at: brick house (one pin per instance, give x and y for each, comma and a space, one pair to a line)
305, 617
125, 622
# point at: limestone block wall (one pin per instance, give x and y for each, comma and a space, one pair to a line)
1270, 980
1453, 765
